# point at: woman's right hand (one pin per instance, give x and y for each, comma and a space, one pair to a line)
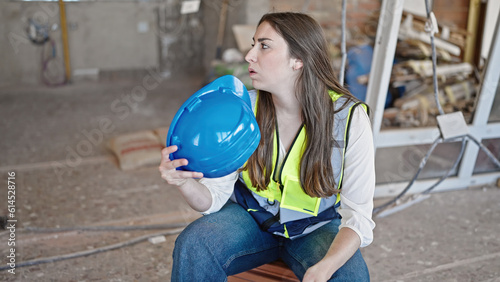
168, 168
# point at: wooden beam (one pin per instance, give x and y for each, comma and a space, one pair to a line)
472, 24
64, 34
383, 57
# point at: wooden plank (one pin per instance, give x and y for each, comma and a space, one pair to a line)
275, 271
383, 58
472, 24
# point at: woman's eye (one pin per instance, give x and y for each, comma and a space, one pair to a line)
264, 46
253, 44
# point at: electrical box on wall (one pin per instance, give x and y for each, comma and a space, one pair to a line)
452, 125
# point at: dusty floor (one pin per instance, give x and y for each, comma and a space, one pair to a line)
451, 236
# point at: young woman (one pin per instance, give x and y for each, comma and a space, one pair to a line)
306, 194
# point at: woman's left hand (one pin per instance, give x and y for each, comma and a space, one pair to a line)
316, 273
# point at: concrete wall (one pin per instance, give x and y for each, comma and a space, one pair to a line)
112, 35
236, 14
102, 35
19, 58
328, 13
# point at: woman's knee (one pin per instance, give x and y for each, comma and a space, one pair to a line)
184, 240
193, 238
210, 230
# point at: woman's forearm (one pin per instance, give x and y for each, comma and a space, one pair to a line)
196, 195
343, 247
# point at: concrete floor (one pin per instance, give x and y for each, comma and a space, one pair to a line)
451, 236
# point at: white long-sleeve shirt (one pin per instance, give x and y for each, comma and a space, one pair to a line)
358, 184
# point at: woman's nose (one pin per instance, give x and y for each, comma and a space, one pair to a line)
250, 57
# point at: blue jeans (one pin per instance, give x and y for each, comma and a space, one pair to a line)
230, 241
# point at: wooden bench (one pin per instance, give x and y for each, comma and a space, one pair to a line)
275, 271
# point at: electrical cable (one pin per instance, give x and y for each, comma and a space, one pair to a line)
52, 71
37, 33
378, 209
342, 45
105, 228
460, 155
424, 160
485, 150
452, 168
93, 251
431, 28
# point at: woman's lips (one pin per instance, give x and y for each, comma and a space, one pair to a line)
251, 71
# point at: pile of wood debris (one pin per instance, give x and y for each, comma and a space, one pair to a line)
411, 85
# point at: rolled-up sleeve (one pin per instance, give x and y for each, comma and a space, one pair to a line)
358, 185
221, 189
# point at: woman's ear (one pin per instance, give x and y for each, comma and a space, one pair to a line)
298, 64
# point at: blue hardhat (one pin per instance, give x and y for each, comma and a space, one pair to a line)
215, 129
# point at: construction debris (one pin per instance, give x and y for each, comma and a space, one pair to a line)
411, 101
157, 239
411, 84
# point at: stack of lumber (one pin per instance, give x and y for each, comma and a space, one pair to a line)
414, 102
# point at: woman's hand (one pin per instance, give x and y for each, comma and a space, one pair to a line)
343, 247
195, 193
168, 168
316, 273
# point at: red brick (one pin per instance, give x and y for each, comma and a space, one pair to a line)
439, 4
369, 6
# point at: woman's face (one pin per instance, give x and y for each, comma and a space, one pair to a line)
270, 66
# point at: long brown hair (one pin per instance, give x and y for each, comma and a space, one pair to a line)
306, 42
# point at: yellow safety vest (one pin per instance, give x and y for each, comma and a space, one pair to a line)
285, 182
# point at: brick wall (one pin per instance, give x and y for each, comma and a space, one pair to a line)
362, 15
329, 12
452, 12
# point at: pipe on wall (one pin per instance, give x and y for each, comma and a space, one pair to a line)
64, 33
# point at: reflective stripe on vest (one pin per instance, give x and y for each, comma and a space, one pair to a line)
285, 187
